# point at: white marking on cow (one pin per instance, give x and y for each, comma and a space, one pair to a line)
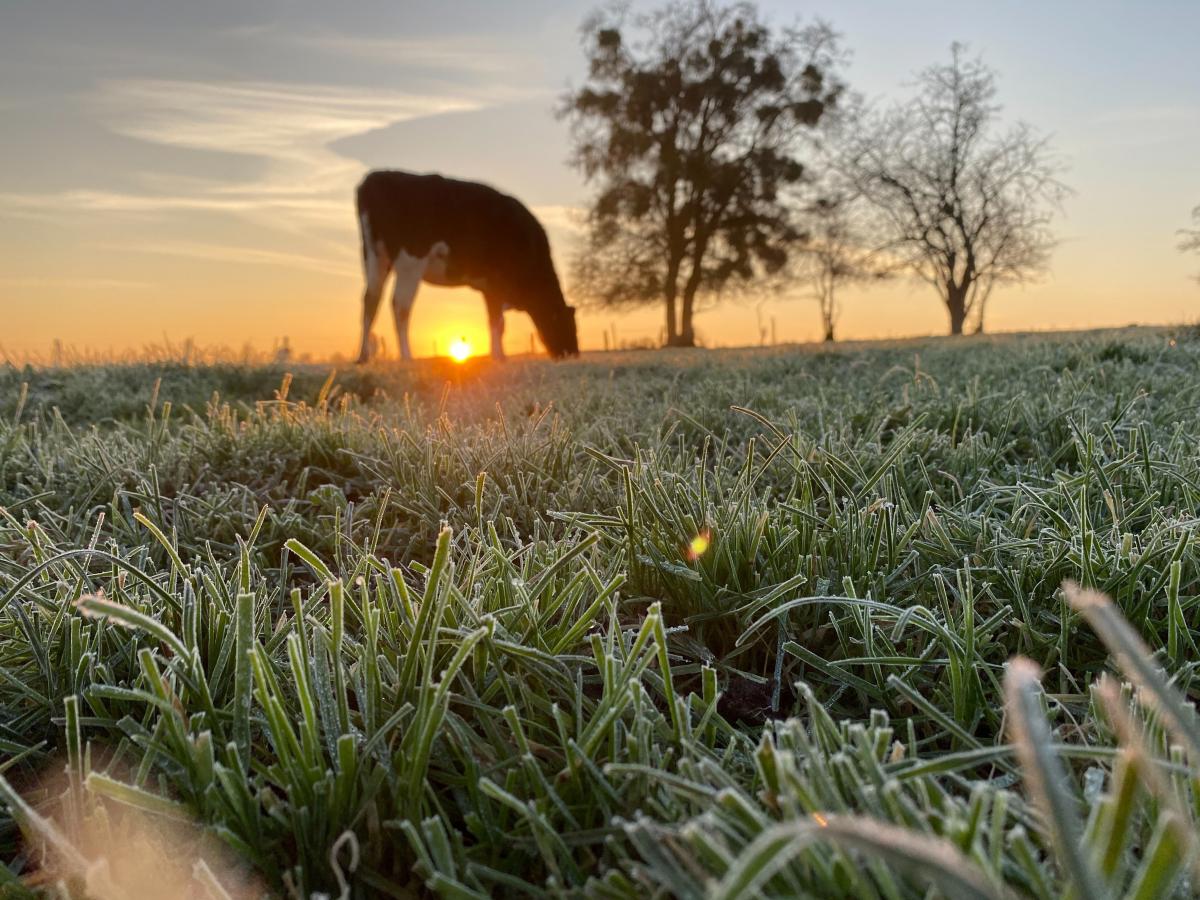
375, 254
410, 271
376, 266
437, 271
436, 262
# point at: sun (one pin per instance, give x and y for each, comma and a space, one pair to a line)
460, 349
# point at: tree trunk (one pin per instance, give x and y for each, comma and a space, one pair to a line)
956, 303
829, 312
671, 293
687, 334
691, 287
671, 317
981, 302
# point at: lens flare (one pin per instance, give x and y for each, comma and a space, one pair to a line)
460, 350
698, 545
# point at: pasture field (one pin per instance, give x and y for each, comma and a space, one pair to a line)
671, 624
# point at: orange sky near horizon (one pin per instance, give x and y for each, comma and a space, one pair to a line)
187, 173
250, 305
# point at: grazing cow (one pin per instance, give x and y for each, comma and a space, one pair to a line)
458, 233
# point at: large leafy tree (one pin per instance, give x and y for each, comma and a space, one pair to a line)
690, 127
964, 204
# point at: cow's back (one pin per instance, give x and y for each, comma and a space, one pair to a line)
489, 233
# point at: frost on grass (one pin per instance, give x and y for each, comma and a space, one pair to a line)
698, 605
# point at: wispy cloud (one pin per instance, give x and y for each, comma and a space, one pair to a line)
270, 154
566, 218
55, 283
219, 199
461, 54
288, 128
301, 188
241, 255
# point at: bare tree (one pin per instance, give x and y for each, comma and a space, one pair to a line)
689, 125
963, 205
837, 255
1189, 238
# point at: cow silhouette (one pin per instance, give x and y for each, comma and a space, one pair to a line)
458, 233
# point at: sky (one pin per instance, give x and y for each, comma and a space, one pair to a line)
174, 171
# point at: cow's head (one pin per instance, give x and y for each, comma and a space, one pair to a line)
555, 323
542, 298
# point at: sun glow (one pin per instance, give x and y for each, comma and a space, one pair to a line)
460, 349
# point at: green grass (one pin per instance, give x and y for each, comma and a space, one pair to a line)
394, 632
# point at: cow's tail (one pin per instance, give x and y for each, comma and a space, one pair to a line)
372, 231
362, 209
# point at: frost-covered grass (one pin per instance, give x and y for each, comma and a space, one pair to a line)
670, 624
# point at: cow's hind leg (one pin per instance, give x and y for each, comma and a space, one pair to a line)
376, 266
495, 310
409, 270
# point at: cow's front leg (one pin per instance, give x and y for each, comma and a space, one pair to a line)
408, 271
376, 266
370, 307
496, 327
